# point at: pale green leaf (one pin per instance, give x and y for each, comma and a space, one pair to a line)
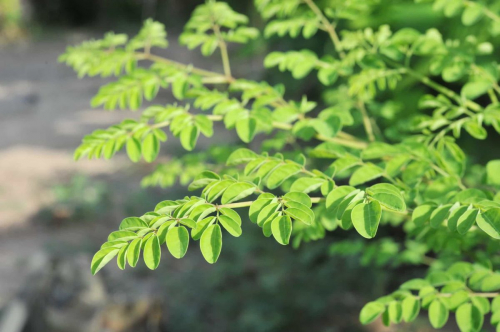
489, 222
366, 218
282, 229
134, 149
102, 257
152, 252
134, 252
211, 243
469, 318
237, 191
178, 241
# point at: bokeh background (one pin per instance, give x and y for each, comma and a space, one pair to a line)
55, 213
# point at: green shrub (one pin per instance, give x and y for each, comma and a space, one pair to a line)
415, 92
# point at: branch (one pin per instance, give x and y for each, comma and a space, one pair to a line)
436, 86
366, 121
314, 200
327, 26
223, 52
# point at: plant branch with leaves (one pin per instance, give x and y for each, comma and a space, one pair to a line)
312, 174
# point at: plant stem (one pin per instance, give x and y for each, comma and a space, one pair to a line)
360, 145
366, 121
486, 11
248, 203
343, 139
440, 88
156, 58
327, 26
213, 77
223, 52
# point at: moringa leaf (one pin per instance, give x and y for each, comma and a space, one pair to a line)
211, 243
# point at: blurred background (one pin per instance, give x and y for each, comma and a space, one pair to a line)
55, 213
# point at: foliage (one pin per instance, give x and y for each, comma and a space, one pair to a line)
409, 174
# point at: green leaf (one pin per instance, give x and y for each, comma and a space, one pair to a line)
454, 216
472, 90
328, 127
121, 259
307, 185
132, 224
109, 149
245, 128
482, 303
365, 173
231, 226
457, 299
495, 304
422, 214
218, 189
178, 241
231, 214
237, 191
466, 221
281, 173
101, 258
211, 243
472, 13
370, 312
299, 198
415, 284
267, 213
388, 196
475, 130
152, 252
267, 225
201, 226
366, 218
122, 235
337, 195
258, 205
493, 172
439, 215
469, 318
282, 229
411, 308
150, 148
134, 252
491, 283
438, 314
489, 222
134, 149
204, 124
203, 179
189, 136
300, 215
241, 156
395, 312
349, 202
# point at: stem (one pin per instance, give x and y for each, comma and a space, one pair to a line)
436, 86
348, 140
327, 26
366, 121
486, 11
360, 145
223, 52
442, 89
213, 77
492, 96
199, 71
248, 203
